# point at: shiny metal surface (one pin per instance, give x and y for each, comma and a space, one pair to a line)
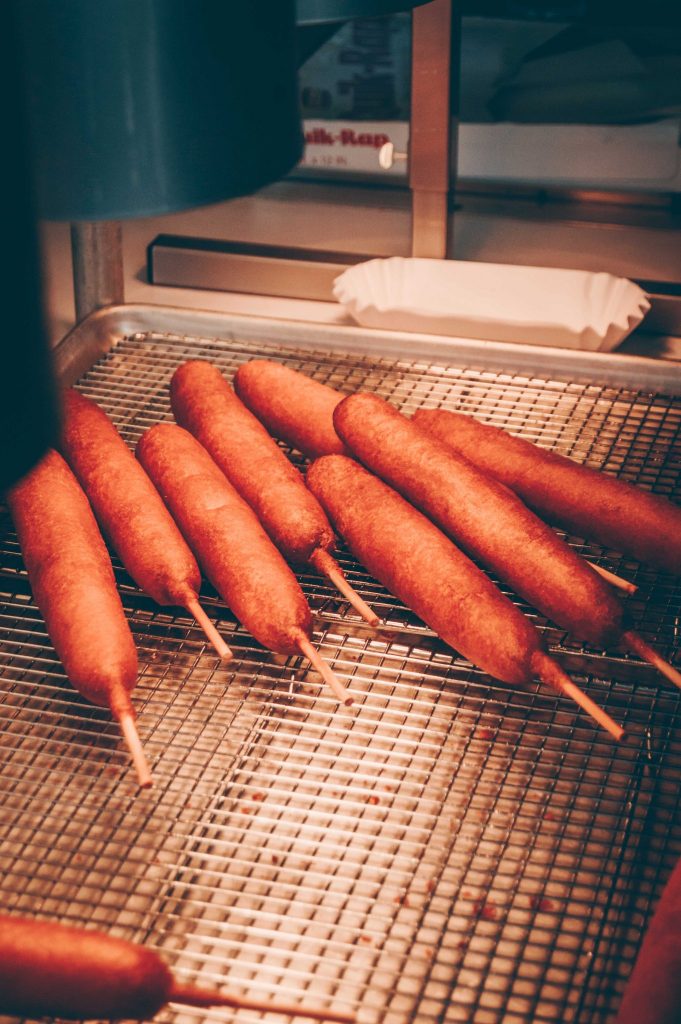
448, 849
432, 131
97, 248
253, 269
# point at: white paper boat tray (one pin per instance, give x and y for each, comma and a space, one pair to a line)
498, 302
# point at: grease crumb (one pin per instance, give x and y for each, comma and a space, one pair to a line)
485, 909
542, 903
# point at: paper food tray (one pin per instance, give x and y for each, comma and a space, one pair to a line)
529, 305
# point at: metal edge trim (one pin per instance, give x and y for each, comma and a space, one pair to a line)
101, 330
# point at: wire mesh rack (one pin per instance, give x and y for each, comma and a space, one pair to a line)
447, 849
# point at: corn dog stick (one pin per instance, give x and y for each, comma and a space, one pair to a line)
194, 608
326, 564
191, 996
616, 581
325, 671
126, 721
550, 672
637, 644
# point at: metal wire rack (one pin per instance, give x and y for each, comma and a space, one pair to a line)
449, 849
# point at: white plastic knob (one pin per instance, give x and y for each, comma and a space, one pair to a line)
387, 156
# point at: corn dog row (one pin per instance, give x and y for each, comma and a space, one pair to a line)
474, 616
71, 574
203, 402
482, 514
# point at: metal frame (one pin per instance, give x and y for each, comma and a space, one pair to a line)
97, 251
453, 849
432, 126
98, 274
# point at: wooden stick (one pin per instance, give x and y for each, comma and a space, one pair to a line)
638, 645
190, 995
194, 608
130, 735
550, 672
616, 581
326, 564
325, 671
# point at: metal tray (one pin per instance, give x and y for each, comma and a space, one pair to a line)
449, 848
